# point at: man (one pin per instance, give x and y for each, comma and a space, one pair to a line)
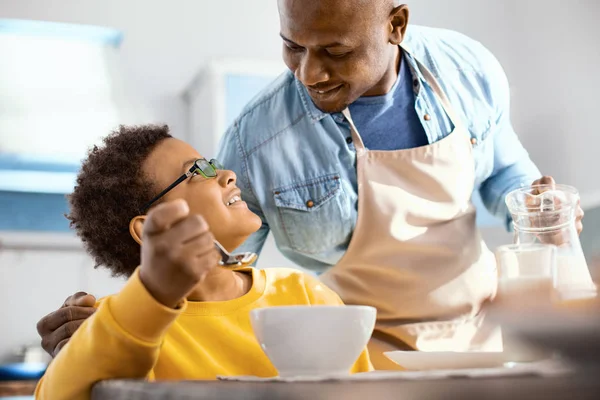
362, 161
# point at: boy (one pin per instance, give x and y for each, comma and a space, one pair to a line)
180, 315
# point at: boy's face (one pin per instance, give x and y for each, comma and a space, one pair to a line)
230, 224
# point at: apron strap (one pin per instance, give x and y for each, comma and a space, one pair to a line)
356, 139
439, 92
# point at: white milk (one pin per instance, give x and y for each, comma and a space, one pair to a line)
524, 289
572, 270
573, 277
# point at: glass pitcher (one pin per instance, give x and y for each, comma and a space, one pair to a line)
546, 214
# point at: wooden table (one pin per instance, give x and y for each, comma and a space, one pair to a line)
579, 387
17, 388
580, 341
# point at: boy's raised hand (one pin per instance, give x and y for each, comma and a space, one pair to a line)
178, 252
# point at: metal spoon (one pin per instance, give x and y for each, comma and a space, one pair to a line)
234, 260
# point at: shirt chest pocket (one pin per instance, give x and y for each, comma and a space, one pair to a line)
315, 215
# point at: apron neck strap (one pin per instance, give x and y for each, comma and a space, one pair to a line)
356, 139
434, 84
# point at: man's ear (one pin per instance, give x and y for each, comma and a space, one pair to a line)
136, 227
398, 24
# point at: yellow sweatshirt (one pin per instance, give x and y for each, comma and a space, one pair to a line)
131, 335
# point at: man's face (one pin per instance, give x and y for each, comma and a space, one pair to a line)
339, 50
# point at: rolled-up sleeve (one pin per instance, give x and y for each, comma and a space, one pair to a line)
513, 168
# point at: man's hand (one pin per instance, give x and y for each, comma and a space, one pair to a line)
178, 251
556, 238
57, 327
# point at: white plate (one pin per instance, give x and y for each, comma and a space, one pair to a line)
434, 360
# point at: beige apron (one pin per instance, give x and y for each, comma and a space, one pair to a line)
416, 253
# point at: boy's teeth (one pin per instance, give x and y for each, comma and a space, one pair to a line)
233, 200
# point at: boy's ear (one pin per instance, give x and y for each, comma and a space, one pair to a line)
136, 227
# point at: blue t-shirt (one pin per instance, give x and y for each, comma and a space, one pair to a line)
390, 121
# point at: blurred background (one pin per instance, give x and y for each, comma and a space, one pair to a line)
71, 70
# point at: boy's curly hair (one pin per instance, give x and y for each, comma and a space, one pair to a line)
111, 187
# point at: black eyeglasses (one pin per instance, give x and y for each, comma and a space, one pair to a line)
207, 169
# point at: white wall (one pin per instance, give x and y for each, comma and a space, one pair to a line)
166, 42
37, 273
549, 50
557, 98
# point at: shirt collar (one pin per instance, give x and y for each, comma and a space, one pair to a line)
312, 110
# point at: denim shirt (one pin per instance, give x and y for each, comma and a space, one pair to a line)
296, 166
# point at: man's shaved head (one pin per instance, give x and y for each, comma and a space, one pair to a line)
359, 6
342, 49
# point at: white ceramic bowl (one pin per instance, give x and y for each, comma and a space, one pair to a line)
313, 340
